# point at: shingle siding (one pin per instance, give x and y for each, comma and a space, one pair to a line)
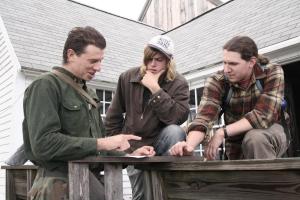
267, 22
41, 27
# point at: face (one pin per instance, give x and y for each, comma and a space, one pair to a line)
86, 65
157, 64
235, 68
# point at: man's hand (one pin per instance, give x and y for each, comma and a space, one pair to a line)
214, 144
150, 81
144, 151
117, 142
181, 149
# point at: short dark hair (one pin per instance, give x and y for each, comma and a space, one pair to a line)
79, 38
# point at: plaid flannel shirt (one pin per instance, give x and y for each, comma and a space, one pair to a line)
261, 109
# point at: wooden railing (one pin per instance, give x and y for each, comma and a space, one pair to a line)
192, 178
177, 178
19, 180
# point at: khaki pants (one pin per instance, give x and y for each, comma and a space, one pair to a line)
54, 186
267, 143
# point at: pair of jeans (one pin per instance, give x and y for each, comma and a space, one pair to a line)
169, 136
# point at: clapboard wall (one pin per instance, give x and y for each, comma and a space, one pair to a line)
12, 84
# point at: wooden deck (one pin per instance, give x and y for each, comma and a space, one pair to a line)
175, 178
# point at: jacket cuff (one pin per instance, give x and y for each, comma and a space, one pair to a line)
197, 128
156, 98
90, 145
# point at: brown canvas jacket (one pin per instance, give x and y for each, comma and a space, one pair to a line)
170, 105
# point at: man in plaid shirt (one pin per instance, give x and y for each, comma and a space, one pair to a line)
252, 117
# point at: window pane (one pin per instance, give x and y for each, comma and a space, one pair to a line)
108, 96
192, 98
101, 108
100, 94
199, 94
106, 106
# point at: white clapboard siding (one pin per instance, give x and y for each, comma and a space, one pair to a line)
127, 194
12, 84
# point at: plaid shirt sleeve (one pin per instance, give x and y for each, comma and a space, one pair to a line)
268, 106
209, 107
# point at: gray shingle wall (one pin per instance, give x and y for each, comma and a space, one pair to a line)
38, 30
199, 43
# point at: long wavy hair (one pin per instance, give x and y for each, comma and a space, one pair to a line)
149, 53
246, 47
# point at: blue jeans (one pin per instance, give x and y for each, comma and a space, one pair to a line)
169, 136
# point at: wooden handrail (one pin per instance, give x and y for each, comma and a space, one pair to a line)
166, 174
195, 169
19, 167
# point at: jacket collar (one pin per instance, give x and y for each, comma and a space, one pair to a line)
68, 73
137, 77
259, 72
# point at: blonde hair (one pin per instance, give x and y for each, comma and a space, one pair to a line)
149, 53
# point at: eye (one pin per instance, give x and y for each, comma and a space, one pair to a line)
95, 61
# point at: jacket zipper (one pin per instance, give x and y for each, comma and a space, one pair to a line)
142, 116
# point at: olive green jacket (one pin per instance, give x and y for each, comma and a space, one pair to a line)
59, 125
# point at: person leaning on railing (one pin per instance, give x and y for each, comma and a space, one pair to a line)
253, 118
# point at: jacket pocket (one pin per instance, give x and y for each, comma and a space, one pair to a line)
74, 117
72, 106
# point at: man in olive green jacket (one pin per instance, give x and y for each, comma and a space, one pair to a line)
61, 124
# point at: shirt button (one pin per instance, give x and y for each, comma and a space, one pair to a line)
158, 97
154, 101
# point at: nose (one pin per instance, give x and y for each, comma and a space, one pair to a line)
152, 62
97, 66
226, 68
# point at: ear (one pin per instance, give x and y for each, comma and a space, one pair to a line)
252, 61
71, 55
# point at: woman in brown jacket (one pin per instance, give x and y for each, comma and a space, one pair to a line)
151, 101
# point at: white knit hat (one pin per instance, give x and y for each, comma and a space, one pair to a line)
164, 44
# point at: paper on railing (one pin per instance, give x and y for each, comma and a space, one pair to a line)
136, 156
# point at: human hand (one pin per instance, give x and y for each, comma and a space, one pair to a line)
144, 151
150, 81
117, 142
181, 149
213, 146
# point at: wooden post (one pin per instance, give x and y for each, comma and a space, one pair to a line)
10, 186
30, 175
79, 181
113, 181
153, 185
157, 185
